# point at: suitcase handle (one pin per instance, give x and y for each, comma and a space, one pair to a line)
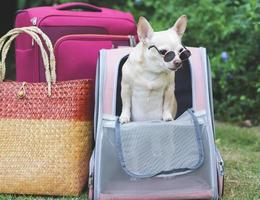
78, 5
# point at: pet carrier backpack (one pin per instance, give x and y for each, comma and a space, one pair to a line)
155, 160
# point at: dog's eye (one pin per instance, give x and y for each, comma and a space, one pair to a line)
180, 50
163, 51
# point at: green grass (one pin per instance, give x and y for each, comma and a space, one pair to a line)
240, 148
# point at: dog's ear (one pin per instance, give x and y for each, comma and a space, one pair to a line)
144, 29
180, 25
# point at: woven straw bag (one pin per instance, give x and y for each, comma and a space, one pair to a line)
45, 128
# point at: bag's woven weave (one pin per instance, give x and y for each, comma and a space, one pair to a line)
45, 140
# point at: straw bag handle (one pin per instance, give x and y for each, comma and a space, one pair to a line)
34, 32
44, 37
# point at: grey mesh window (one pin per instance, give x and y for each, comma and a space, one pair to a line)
151, 148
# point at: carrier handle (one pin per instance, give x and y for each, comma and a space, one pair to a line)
78, 5
34, 32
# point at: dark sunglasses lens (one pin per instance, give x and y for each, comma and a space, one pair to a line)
168, 57
185, 54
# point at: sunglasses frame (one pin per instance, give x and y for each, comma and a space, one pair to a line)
171, 52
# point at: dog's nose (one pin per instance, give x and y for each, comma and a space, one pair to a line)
177, 62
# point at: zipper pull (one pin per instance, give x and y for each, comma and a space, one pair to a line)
34, 23
221, 168
132, 41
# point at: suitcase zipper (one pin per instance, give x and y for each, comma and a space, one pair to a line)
220, 164
34, 23
131, 38
132, 41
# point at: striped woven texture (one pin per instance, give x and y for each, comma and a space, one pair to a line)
45, 140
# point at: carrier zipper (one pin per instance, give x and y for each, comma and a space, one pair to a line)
132, 41
221, 168
90, 180
220, 165
34, 23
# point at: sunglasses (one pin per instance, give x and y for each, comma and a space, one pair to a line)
168, 56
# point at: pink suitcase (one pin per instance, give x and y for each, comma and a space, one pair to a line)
76, 55
61, 20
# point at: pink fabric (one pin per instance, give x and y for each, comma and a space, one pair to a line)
23, 67
112, 25
25, 52
47, 11
112, 61
76, 59
90, 192
207, 194
220, 185
199, 80
77, 55
56, 22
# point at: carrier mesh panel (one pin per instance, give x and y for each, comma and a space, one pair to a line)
151, 148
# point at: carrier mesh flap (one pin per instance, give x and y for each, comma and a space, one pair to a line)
151, 148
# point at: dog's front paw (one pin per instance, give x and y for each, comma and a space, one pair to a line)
124, 118
167, 116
